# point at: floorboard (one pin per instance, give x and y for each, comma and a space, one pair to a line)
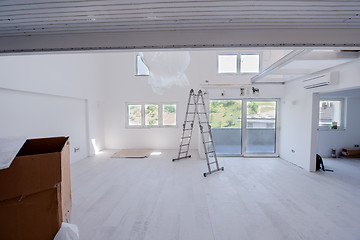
254, 198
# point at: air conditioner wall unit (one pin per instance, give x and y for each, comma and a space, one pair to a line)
322, 80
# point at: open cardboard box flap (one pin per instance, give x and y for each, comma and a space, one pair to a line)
9, 147
36, 167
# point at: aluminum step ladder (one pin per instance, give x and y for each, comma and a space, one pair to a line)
196, 106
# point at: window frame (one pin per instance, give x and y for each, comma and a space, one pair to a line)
342, 126
128, 114
158, 115
143, 111
239, 63
162, 114
244, 125
137, 58
247, 54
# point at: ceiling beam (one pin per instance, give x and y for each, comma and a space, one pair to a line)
156, 40
330, 55
280, 63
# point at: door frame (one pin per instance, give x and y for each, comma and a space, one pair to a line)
243, 127
244, 122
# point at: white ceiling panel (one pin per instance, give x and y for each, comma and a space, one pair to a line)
22, 19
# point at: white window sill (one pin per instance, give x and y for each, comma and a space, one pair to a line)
330, 129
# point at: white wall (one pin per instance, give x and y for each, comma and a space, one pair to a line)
59, 94
299, 116
342, 138
38, 115
123, 87
106, 82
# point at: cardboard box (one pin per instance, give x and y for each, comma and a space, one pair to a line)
35, 190
351, 153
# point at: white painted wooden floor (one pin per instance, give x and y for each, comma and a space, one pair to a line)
157, 199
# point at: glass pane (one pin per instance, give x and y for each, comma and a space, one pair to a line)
151, 114
134, 115
225, 121
250, 63
261, 127
227, 64
330, 113
169, 114
141, 68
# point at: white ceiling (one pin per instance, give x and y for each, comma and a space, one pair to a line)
61, 25
38, 17
301, 63
58, 25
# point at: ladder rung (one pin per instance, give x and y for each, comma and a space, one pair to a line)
212, 162
209, 152
208, 142
189, 121
186, 137
187, 129
191, 113
185, 144
201, 112
205, 122
183, 152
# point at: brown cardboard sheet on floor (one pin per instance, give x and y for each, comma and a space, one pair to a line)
35, 191
132, 153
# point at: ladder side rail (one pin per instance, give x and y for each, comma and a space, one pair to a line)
213, 148
202, 134
209, 127
181, 152
192, 119
206, 120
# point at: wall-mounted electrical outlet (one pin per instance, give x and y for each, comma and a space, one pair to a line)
356, 145
76, 149
292, 150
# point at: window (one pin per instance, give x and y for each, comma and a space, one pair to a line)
225, 113
151, 115
141, 68
331, 114
134, 118
169, 114
229, 63
250, 63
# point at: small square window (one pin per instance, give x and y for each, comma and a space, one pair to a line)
151, 114
169, 114
135, 118
250, 63
330, 114
228, 63
141, 68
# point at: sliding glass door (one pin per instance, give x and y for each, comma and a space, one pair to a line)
243, 127
260, 127
225, 121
